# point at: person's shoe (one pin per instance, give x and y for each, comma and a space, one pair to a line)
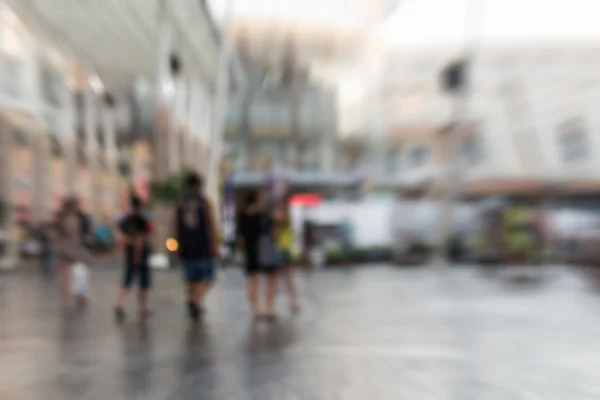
119, 314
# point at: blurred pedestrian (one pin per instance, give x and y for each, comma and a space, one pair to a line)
196, 233
135, 231
285, 243
48, 239
254, 225
71, 227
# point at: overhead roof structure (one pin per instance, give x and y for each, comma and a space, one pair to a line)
318, 31
117, 39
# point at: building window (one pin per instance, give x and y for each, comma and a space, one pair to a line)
573, 143
418, 156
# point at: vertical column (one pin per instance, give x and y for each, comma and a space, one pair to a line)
110, 145
195, 126
176, 127
328, 131
36, 136
68, 137
7, 216
219, 111
189, 138
91, 141
32, 79
6, 174
163, 91
39, 144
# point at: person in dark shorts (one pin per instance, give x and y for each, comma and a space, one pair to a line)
196, 233
253, 223
135, 230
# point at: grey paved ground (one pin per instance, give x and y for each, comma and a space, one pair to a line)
370, 333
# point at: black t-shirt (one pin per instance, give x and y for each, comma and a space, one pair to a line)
193, 228
252, 226
134, 225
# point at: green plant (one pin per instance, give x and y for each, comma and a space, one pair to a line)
169, 190
334, 254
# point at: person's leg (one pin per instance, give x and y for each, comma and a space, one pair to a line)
188, 277
253, 283
288, 280
128, 274
270, 295
65, 280
145, 276
208, 277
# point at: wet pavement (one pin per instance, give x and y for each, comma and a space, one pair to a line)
370, 333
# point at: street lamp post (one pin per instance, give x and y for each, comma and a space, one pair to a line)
220, 107
456, 81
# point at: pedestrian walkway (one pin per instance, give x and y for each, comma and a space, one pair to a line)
370, 333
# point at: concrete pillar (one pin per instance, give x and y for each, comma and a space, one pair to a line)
8, 225
32, 79
195, 127
163, 91
40, 148
38, 143
176, 127
6, 171
111, 156
327, 117
91, 149
68, 137
217, 121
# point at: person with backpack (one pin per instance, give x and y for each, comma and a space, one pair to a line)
135, 231
198, 245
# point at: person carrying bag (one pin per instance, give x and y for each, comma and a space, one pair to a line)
269, 255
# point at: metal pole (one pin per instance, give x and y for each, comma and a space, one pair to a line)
220, 105
453, 177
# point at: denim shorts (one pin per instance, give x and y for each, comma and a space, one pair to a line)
198, 271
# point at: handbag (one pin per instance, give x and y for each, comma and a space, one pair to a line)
269, 255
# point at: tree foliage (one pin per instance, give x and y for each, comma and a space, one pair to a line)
169, 190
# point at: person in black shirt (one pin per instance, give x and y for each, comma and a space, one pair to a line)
252, 224
135, 230
196, 232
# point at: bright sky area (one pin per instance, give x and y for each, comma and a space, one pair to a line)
430, 22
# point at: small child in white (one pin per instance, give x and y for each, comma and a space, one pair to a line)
80, 282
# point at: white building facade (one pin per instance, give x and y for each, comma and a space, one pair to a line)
531, 113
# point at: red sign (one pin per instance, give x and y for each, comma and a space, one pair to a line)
305, 200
